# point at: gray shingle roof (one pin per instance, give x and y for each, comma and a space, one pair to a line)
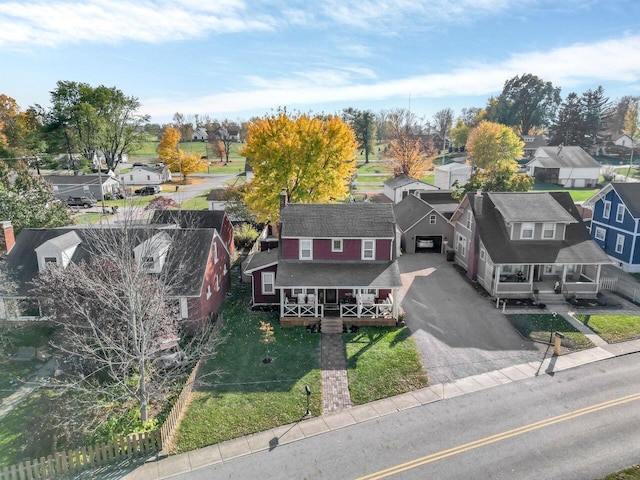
630, 195
259, 260
530, 207
574, 157
338, 274
576, 248
22, 261
401, 181
92, 179
339, 220
410, 211
190, 218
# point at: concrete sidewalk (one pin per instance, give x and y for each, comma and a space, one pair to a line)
270, 439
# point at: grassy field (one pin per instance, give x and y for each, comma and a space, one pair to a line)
148, 151
613, 328
382, 362
538, 326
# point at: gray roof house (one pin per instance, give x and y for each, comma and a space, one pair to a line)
397, 188
335, 262
90, 185
519, 245
423, 220
570, 167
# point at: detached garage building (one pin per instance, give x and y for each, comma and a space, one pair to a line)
570, 167
399, 187
423, 221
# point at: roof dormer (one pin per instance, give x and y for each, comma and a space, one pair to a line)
58, 250
152, 253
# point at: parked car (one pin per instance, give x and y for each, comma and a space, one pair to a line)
85, 202
424, 243
148, 190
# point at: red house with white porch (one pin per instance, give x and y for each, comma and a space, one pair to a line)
334, 261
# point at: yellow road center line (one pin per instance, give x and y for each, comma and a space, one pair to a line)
498, 437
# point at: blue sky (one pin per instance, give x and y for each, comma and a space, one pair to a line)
240, 58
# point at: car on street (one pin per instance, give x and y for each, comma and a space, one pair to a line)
85, 202
424, 243
148, 190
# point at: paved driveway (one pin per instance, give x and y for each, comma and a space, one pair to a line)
458, 332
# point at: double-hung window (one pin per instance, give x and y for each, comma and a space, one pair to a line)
368, 249
306, 249
548, 230
336, 245
268, 283
600, 234
620, 213
606, 211
619, 243
527, 231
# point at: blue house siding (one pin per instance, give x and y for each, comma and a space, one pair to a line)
613, 227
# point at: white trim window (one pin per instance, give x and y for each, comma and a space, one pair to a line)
467, 222
549, 231
336, 245
483, 254
368, 249
600, 234
215, 251
268, 283
620, 213
306, 249
619, 243
208, 292
217, 284
526, 231
461, 245
432, 219
606, 209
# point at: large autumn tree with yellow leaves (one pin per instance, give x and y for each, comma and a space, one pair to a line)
174, 158
313, 158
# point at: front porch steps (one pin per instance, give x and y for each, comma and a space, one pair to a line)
550, 299
331, 325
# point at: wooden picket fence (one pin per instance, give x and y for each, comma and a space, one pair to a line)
133, 446
173, 418
75, 461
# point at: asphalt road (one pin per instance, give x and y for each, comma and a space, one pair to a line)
578, 424
458, 332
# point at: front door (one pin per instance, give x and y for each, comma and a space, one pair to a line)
331, 295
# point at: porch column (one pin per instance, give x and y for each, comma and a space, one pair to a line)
598, 277
282, 300
395, 307
564, 273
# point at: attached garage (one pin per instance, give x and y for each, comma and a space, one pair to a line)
428, 244
423, 228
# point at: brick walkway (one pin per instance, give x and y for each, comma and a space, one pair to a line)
335, 386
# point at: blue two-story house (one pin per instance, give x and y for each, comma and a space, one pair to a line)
615, 225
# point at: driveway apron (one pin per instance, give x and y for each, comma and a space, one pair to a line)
458, 332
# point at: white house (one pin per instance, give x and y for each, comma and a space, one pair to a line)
447, 175
622, 140
200, 134
95, 185
145, 175
399, 187
570, 167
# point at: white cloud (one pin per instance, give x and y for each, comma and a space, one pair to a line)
605, 61
53, 23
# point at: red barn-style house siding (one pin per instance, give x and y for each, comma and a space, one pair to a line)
258, 297
351, 249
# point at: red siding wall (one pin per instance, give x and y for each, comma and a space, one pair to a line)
351, 249
201, 308
258, 297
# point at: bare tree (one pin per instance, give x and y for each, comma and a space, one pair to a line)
117, 316
443, 121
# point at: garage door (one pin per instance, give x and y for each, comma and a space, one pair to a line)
431, 243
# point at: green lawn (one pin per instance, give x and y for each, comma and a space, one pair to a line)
148, 151
634, 172
538, 326
613, 328
196, 203
372, 179
428, 178
382, 362
374, 167
247, 395
631, 473
578, 195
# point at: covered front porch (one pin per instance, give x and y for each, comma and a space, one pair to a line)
522, 280
372, 301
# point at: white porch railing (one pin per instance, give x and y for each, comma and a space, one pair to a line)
580, 287
302, 310
378, 310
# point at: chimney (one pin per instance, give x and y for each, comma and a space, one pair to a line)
283, 198
477, 202
7, 237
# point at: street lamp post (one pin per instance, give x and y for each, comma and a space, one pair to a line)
553, 321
